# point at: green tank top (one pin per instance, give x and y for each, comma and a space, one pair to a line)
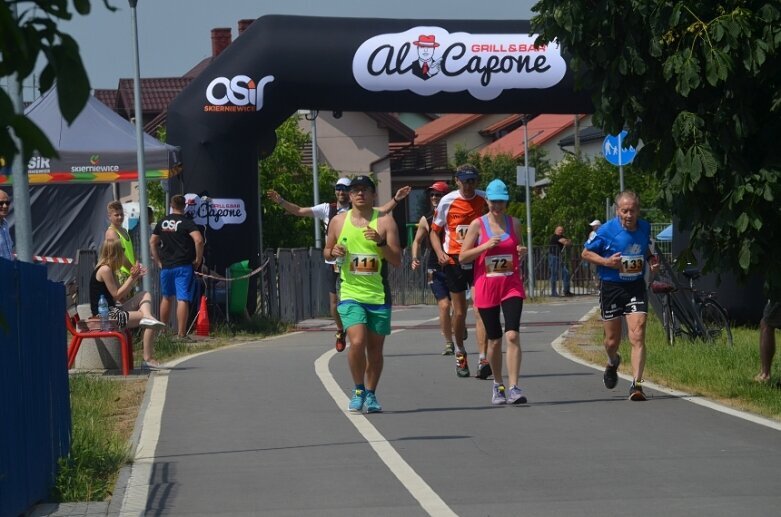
364, 271
127, 245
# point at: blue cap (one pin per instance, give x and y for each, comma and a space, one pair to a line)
467, 172
497, 191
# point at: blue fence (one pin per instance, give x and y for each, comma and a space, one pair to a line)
35, 418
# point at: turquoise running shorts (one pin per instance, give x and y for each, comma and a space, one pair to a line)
377, 319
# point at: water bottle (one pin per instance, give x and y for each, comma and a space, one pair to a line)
342, 243
103, 313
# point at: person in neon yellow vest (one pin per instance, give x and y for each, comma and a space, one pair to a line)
115, 232
364, 242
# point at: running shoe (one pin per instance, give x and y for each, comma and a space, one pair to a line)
151, 323
516, 396
341, 340
356, 403
462, 368
636, 392
450, 349
611, 374
372, 406
483, 369
498, 397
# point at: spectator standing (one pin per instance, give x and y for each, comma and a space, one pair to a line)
454, 214
434, 274
592, 269
6, 244
176, 246
620, 250
771, 320
557, 261
495, 243
326, 212
367, 242
115, 232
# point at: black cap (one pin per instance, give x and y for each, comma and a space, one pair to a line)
363, 181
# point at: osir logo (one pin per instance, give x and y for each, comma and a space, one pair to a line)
236, 94
169, 226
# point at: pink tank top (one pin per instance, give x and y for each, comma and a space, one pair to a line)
497, 275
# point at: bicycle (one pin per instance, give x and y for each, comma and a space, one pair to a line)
689, 312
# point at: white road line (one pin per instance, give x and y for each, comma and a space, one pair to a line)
136, 495
558, 346
415, 485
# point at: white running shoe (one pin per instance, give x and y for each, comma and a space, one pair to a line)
151, 323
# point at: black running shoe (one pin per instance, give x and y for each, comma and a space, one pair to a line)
611, 374
483, 369
636, 392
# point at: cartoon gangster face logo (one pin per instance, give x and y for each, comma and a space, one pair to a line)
482, 64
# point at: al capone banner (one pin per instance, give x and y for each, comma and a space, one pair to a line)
225, 119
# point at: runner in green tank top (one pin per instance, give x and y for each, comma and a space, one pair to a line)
366, 242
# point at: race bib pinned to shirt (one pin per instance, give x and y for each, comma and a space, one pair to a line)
631, 267
365, 264
498, 265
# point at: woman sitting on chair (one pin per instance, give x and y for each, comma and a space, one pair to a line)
136, 311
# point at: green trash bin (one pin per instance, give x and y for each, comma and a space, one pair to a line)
237, 305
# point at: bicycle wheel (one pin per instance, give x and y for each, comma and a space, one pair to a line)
714, 318
668, 321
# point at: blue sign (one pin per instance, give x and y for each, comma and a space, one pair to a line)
614, 151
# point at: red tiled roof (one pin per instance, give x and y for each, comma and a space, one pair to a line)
106, 96
541, 129
502, 124
156, 94
443, 126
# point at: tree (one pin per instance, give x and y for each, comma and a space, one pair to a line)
284, 172
699, 82
577, 195
29, 28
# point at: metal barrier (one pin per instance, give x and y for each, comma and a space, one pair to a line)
35, 418
294, 284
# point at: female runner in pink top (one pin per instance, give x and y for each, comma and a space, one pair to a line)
494, 243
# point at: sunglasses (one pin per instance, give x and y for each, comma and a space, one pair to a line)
470, 181
436, 194
5, 203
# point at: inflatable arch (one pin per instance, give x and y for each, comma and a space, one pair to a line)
226, 118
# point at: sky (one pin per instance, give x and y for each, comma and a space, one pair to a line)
174, 35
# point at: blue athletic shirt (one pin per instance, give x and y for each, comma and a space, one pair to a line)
612, 238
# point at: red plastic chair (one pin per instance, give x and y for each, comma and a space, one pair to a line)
72, 324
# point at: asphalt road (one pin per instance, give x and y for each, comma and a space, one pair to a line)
261, 429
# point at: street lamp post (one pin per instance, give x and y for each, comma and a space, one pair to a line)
143, 217
315, 175
21, 190
529, 254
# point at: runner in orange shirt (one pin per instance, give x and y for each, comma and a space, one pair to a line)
454, 214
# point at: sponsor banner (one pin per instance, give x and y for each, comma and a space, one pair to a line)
427, 60
214, 212
236, 94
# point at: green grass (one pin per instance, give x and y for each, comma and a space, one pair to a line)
719, 372
98, 450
